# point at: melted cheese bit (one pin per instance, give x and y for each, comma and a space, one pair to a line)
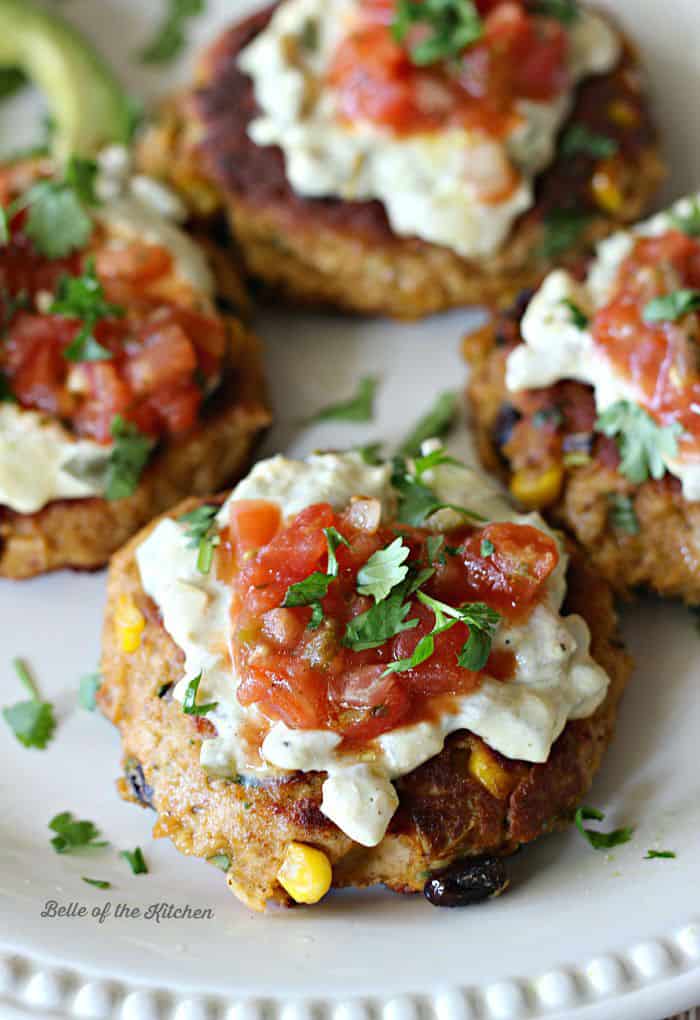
555, 349
438, 186
555, 678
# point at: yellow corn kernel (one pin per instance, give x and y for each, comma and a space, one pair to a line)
484, 767
606, 192
305, 873
623, 113
129, 623
535, 489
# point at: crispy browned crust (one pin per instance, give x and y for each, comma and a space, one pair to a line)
444, 814
665, 553
344, 254
84, 533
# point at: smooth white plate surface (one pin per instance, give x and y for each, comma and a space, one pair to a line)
581, 935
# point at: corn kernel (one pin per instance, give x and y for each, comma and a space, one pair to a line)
129, 623
305, 873
535, 489
606, 192
623, 113
484, 768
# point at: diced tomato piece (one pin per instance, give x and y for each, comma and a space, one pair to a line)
254, 523
133, 261
177, 407
286, 689
108, 396
165, 359
512, 576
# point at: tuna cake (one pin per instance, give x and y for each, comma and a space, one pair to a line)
122, 386
383, 156
587, 397
345, 674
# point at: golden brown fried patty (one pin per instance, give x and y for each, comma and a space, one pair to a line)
553, 430
445, 814
84, 533
330, 251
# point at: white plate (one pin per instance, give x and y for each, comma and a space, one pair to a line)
581, 935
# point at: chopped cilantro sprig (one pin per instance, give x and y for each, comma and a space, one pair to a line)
672, 307
32, 721
170, 38
435, 424
135, 860
83, 297
580, 140
451, 26
600, 840
72, 834
202, 535
644, 446
189, 704
357, 408
127, 460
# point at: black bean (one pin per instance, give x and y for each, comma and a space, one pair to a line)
137, 780
469, 881
578, 442
508, 418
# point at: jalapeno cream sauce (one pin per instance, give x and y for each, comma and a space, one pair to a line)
555, 348
40, 460
555, 678
462, 188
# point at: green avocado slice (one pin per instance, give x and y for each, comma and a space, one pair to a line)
88, 105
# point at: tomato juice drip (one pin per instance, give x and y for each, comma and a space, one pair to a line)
310, 678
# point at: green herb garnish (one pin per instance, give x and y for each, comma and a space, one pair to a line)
481, 620
579, 139
32, 722
383, 570
565, 11
387, 618
563, 229
487, 548
83, 297
689, 222
600, 840
622, 513
73, 834
652, 855
99, 883
673, 306
358, 408
170, 38
579, 318
435, 424
135, 860
12, 80
643, 444
417, 502
57, 220
89, 686
189, 705
333, 540
127, 460
451, 26
202, 534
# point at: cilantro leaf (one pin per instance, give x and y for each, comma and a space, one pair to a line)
370, 453
202, 534
565, 11
672, 306
600, 840
689, 222
481, 620
128, 458
579, 318
57, 222
12, 80
309, 591
32, 722
416, 501
333, 540
487, 548
383, 570
83, 297
387, 618
434, 546
435, 424
89, 686
73, 834
135, 860
99, 883
358, 408
170, 37
4, 227
221, 861
659, 855
563, 229
579, 139
452, 25
643, 444
622, 513
189, 705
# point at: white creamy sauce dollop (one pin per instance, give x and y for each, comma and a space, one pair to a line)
555, 349
40, 460
555, 678
438, 186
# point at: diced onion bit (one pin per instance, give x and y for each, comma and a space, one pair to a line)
305, 873
365, 514
129, 622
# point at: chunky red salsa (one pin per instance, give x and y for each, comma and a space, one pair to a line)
305, 672
519, 55
659, 358
162, 353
